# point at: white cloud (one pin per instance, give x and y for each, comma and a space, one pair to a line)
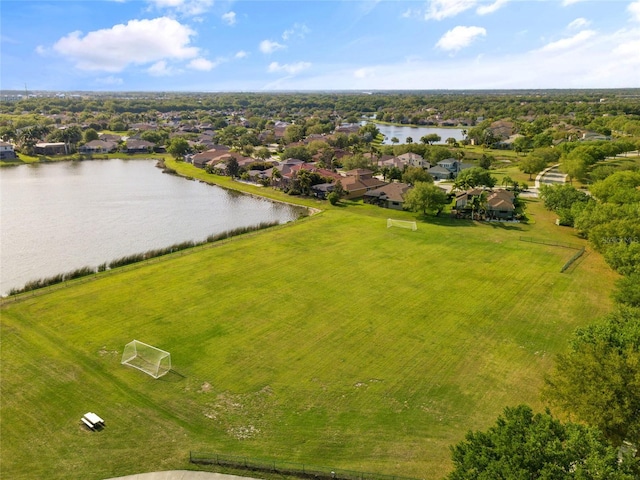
634, 10
460, 37
137, 43
267, 46
578, 23
184, 7
110, 80
299, 30
160, 69
412, 13
566, 3
570, 42
241, 54
229, 18
486, 9
290, 68
440, 9
613, 63
202, 64
41, 50
364, 73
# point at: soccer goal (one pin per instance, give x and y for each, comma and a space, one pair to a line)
150, 360
402, 224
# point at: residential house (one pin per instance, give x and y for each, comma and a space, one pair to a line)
500, 203
110, 137
440, 173
47, 148
388, 196
359, 181
98, 146
201, 159
135, 145
454, 166
7, 152
414, 160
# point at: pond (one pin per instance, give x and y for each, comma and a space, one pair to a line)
401, 132
63, 216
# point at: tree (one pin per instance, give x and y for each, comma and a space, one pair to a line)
413, 175
90, 134
293, 133
233, 168
486, 161
533, 163
598, 380
627, 291
178, 147
452, 142
408, 140
425, 197
395, 140
474, 177
430, 138
478, 203
524, 445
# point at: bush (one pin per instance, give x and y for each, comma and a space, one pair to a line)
333, 198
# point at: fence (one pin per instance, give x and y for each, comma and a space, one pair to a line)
286, 468
576, 256
574, 246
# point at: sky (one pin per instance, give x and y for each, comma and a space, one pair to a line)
267, 45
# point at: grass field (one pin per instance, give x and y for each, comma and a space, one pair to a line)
332, 341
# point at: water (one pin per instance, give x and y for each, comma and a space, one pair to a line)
55, 218
402, 132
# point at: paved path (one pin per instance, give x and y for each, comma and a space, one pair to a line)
181, 475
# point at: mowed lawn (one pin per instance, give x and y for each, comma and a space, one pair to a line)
333, 341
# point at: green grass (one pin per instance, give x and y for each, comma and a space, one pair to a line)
332, 341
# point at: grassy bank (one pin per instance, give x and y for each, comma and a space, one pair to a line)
333, 341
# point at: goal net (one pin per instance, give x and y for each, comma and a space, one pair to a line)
150, 360
402, 224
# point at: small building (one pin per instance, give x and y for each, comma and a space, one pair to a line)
98, 146
135, 145
50, 148
7, 152
388, 196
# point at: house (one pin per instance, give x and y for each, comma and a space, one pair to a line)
388, 196
322, 190
393, 162
201, 159
414, 160
135, 145
110, 137
439, 173
500, 203
47, 148
454, 166
98, 146
359, 181
7, 152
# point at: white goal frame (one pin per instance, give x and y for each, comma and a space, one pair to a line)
402, 224
146, 358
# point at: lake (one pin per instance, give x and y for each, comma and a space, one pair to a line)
59, 217
402, 132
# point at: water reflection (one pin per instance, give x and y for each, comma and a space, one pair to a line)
63, 216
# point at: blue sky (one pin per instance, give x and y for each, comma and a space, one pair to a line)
264, 45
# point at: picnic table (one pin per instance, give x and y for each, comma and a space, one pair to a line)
92, 420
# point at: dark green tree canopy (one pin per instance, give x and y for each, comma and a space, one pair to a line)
598, 380
527, 446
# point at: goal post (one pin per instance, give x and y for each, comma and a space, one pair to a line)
149, 359
402, 224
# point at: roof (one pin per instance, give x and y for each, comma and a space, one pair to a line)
393, 191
